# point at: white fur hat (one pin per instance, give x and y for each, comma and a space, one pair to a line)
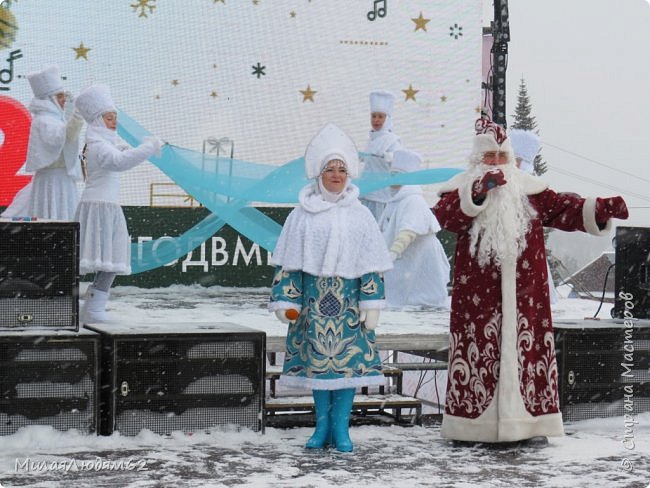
46, 83
526, 145
405, 161
382, 101
94, 101
331, 143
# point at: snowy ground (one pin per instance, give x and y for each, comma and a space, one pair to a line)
592, 454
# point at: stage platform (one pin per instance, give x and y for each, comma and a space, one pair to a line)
406, 330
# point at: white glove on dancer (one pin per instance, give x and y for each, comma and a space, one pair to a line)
156, 143
370, 318
69, 109
403, 240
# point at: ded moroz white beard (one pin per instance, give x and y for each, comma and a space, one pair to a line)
498, 233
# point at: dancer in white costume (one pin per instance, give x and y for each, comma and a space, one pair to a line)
104, 240
526, 145
383, 142
420, 266
52, 152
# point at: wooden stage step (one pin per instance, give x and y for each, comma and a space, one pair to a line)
367, 404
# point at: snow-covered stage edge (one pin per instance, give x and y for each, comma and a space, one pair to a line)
602, 452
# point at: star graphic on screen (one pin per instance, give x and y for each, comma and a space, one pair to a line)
292, 14
443, 98
259, 70
214, 94
81, 51
174, 82
410, 93
308, 94
421, 23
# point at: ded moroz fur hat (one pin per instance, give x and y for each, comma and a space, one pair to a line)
490, 137
94, 101
46, 83
331, 143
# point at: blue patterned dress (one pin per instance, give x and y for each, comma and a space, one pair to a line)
327, 347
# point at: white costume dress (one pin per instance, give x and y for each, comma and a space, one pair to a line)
104, 240
380, 147
53, 155
420, 276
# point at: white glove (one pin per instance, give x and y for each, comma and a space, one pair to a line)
69, 109
401, 242
69, 98
155, 143
370, 318
280, 314
388, 157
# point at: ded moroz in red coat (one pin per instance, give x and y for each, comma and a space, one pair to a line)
502, 377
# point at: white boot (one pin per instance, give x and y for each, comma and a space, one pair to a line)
94, 309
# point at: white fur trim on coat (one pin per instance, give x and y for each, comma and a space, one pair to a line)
589, 219
331, 239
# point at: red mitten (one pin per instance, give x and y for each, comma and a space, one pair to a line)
608, 208
491, 179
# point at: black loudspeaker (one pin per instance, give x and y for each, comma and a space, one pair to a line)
603, 371
186, 377
39, 275
49, 378
632, 276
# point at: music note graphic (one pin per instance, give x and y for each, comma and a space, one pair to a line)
7, 74
377, 11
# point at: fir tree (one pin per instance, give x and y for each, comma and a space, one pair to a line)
526, 121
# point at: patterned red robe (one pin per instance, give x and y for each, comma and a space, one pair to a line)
502, 378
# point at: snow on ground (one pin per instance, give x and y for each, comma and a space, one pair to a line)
611, 452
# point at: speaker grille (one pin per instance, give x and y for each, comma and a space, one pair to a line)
39, 275
632, 275
48, 381
183, 382
603, 371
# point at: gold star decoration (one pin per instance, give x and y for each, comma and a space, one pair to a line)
292, 14
222, 1
81, 51
410, 93
174, 82
443, 98
308, 94
477, 110
421, 23
214, 94
256, 2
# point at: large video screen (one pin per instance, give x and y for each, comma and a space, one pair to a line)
265, 74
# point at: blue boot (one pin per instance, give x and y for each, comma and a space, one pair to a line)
340, 418
322, 436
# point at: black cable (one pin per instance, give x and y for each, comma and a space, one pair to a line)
602, 297
613, 168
